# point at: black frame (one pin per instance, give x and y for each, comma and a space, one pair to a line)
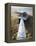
8, 17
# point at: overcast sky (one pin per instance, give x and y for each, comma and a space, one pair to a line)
29, 10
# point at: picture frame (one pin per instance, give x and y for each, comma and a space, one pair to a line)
8, 9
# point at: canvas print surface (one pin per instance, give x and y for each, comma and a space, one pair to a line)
21, 23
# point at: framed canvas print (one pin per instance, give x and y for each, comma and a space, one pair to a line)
19, 22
